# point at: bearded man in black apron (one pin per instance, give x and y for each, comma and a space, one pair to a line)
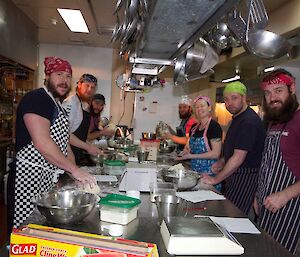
277, 201
243, 148
42, 143
78, 110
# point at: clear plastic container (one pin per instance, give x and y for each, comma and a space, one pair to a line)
160, 188
114, 167
119, 209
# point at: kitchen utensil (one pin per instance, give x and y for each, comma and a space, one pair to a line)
237, 24
100, 158
130, 29
167, 205
148, 135
222, 29
194, 58
200, 75
258, 14
142, 156
263, 43
119, 5
132, 8
65, 206
166, 147
210, 60
266, 44
159, 188
179, 70
117, 30
182, 179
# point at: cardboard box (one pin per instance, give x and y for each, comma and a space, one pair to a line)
36, 240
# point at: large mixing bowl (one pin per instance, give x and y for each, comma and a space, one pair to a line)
67, 206
182, 180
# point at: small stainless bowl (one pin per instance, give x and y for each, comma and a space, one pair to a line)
67, 206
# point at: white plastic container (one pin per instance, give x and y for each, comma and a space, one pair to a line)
118, 215
120, 209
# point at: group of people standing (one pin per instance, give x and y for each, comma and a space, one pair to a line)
259, 163
258, 167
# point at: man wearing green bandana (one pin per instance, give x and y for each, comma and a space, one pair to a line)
243, 148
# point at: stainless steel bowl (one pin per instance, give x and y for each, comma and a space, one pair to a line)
148, 135
100, 158
67, 206
182, 180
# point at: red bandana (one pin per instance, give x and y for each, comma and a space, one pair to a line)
54, 64
278, 79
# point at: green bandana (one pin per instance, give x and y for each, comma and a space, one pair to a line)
235, 87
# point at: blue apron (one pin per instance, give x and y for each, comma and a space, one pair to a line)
199, 145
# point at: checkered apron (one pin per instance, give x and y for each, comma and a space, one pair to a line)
34, 174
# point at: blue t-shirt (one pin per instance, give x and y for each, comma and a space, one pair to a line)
246, 132
37, 102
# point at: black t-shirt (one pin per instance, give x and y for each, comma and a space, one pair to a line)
246, 132
214, 131
37, 102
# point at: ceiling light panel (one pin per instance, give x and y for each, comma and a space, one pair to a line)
74, 20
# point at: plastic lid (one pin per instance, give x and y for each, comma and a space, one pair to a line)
121, 201
114, 163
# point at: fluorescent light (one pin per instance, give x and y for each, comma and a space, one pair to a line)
236, 77
269, 69
74, 20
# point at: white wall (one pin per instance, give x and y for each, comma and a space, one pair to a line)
147, 114
96, 61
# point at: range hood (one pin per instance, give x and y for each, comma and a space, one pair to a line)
170, 28
174, 25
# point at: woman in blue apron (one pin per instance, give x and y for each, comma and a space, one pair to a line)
204, 147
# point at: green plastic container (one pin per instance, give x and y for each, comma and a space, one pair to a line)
120, 209
114, 167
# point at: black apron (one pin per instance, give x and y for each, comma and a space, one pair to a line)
32, 173
180, 132
274, 176
81, 132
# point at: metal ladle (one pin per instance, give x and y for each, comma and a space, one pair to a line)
263, 43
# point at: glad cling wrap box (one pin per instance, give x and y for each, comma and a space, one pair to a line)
36, 240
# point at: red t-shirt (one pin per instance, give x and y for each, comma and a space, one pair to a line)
188, 125
290, 143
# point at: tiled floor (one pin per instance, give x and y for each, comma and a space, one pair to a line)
3, 225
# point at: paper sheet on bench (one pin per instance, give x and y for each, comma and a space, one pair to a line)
236, 225
200, 196
106, 178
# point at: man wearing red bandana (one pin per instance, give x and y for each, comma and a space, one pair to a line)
42, 143
277, 202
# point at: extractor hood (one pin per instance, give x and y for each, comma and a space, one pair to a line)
166, 29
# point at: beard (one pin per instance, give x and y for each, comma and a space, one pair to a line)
184, 115
283, 114
52, 89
